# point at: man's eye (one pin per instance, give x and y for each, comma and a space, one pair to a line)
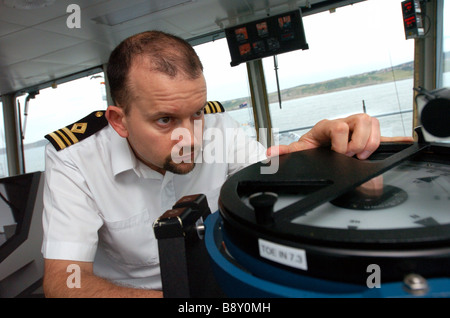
199, 113
164, 120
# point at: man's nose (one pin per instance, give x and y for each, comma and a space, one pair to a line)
193, 129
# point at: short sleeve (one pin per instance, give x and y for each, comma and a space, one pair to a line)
70, 218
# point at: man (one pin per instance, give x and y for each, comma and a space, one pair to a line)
103, 193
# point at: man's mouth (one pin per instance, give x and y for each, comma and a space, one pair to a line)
185, 158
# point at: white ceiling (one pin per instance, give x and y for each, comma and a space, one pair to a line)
36, 46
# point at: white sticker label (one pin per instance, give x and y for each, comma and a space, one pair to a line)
289, 256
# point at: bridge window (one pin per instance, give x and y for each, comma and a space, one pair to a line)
227, 84
358, 61
3, 158
54, 108
446, 45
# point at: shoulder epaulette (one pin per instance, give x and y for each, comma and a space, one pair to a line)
214, 107
85, 127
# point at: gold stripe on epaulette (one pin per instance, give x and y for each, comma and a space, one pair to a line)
214, 107
78, 131
66, 141
58, 140
70, 134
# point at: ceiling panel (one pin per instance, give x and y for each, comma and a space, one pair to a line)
88, 31
32, 44
77, 52
21, 76
32, 17
36, 46
6, 27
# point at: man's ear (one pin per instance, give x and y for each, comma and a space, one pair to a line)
116, 117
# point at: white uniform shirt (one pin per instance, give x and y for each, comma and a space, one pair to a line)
100, 202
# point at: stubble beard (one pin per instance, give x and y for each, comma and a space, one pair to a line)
178, 168
182, 167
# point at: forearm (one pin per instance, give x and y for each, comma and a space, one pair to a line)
94, 287
59, 284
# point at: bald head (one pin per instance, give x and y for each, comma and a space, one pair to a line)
158, 52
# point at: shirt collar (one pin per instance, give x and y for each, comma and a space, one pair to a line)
123, 159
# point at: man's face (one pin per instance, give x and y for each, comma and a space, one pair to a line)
161, 110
